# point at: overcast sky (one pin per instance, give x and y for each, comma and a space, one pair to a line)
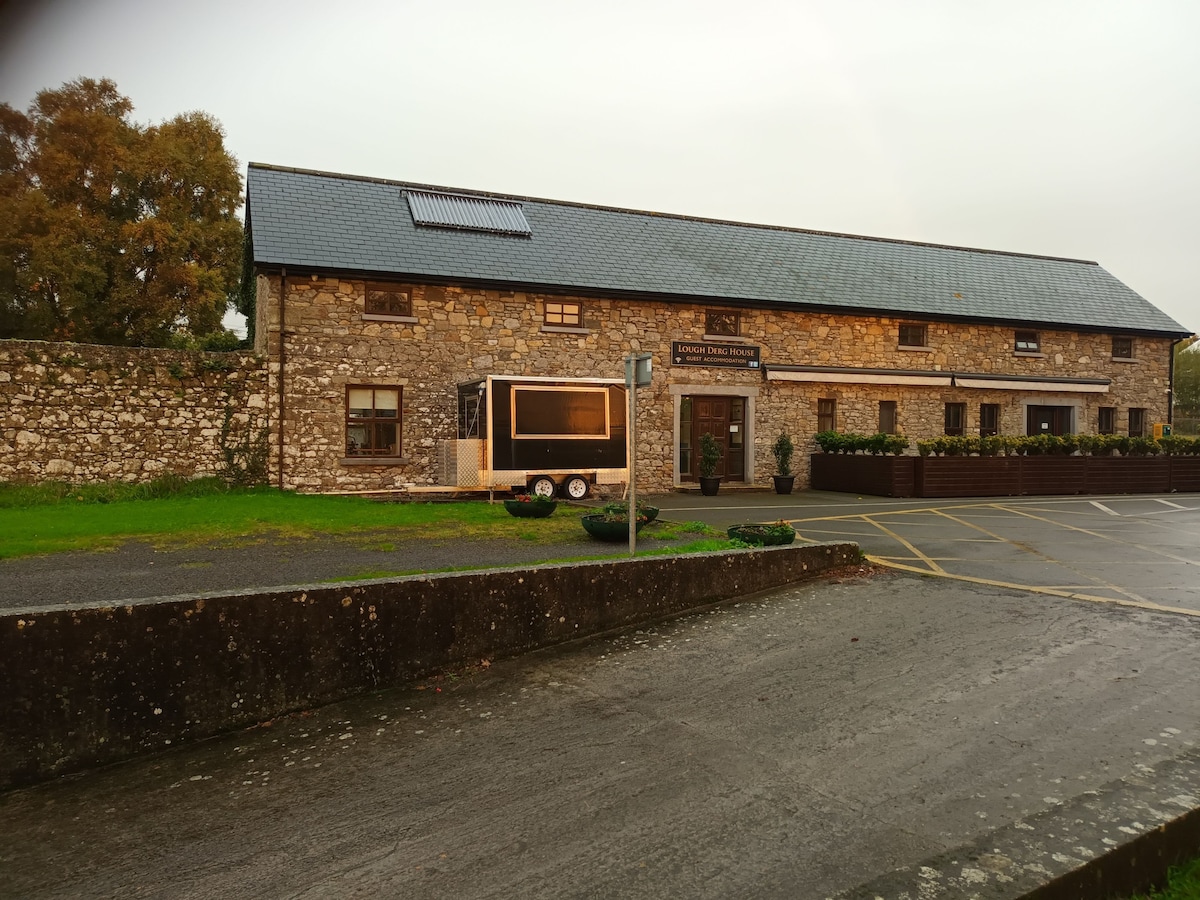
1060, 128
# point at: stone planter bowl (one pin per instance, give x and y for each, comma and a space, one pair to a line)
760, 534
531, 509
595, 525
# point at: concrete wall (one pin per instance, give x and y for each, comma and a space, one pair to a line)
85, 413
457, 333
85, 686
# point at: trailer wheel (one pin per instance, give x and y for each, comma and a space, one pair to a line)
542, 486
576, 487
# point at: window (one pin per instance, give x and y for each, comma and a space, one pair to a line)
561, 413
826, 415
1107, 423
913, 335
391, 300
989, 419
685, 436
1027, 342
568, 315
1137, 422
887, 416
372, 421
1122, 348
956, 417
725, 324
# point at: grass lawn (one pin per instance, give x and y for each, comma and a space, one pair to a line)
52, 518
1183, 883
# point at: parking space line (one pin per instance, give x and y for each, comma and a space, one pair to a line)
1101, 506
1169, 503
1050, 591
1026, 548
1143, 547
932, 565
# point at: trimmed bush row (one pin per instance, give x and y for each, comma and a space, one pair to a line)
876, 444
1056, 445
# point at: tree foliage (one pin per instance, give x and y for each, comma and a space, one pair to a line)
112, 232
1187, 379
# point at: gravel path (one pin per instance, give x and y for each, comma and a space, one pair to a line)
138, 570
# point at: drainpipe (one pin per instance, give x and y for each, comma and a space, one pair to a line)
282, 362
1171, 382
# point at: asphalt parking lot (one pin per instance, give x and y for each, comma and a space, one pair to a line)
1141, 550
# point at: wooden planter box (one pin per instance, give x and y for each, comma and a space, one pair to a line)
883, 476
1002, 476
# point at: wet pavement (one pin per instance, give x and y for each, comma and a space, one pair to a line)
798, 744
1136, 550
941, 734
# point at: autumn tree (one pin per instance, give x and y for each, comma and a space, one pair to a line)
112, 232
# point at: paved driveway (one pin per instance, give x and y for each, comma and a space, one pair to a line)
1140, 551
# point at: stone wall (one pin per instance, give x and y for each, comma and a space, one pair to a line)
85, 413
458, 333
89, 685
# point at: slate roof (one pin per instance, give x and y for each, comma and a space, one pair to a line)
339, 223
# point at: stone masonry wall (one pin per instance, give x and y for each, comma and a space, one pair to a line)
459, 333
85, 413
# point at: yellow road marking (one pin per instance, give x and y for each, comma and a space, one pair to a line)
1113, 540
932, 565
1099, 582
1053, 592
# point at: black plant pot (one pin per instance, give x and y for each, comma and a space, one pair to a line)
784, 483
709, 486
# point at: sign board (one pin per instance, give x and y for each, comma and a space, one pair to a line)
703, 353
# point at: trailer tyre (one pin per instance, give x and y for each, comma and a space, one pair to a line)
542, 486
576, 487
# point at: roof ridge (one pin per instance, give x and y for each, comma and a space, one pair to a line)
661, 215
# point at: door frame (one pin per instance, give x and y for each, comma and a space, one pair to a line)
679, 391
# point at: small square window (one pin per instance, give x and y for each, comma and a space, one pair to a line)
1107, 421
914, 335
1027, 342
989, 419
1122, 348
956, 418
569, 315
388, 300
887, 416
725, 324
826, 415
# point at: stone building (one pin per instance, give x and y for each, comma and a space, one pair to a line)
377, 299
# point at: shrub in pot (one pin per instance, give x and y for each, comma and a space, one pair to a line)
710, 455
783, 450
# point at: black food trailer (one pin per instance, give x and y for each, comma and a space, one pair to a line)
546, 435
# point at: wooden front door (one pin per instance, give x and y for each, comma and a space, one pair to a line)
725, 419
1049, 420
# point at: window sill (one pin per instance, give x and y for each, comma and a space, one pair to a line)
1029, 354
726, 338
1124, 359
374, 317
565, 329
374, 461
914, 349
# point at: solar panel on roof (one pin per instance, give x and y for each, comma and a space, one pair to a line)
467, 213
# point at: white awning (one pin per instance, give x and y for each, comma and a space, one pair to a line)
1009, 384
860, 378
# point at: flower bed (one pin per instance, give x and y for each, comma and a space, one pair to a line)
763, 534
